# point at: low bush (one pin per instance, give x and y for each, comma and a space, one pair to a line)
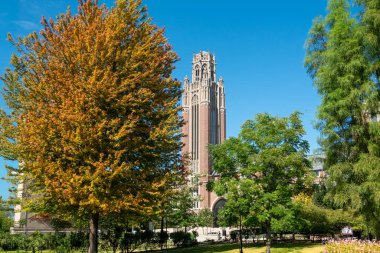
60, 242
181, 238
234, 235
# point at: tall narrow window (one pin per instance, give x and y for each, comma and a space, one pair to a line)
195, 127
197, 73
204, 72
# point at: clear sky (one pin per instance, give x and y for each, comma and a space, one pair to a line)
259, 48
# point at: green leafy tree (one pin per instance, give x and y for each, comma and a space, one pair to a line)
343, 60
316, 220
6, 221
170, 197
37, 241
369, 21
262, 169
205, 218
335, 61
112, 227
367, 169
180, 212
93, 113
242, 192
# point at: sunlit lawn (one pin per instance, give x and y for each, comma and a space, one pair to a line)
234, 248
297, 248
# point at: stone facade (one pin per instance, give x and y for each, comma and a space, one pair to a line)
204, 113
317, 162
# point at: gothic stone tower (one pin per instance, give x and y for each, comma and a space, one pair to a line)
204, 114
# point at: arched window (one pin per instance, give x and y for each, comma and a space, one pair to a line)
215, 210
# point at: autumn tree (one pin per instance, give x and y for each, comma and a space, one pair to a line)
93, 113
261, 170
343, 60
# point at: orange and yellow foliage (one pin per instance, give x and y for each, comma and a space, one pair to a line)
96, 111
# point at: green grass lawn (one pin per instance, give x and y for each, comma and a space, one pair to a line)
234, 248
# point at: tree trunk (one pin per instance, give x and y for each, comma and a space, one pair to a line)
269, 238
166, 229
93, 237
241, 236
162, 233
126, 241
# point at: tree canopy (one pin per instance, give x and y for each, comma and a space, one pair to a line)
262, 169
93, 112
343, 60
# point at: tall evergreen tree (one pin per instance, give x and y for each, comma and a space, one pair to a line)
93, 113
370, 22
338, 60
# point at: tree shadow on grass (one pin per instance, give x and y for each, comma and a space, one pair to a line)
276, 248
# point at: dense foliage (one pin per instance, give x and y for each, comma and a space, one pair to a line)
180, 212
61, 242
261, 170
6, 220
313, 219
128, 241
343, 60
93, 114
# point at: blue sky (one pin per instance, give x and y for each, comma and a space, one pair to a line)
259, 48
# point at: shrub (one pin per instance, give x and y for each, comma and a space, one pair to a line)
9, 242
181, 238
162, 237
234, 235
78, 240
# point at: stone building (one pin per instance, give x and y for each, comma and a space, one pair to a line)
317, 162
204, 113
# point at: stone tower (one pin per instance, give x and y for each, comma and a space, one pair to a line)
204, 114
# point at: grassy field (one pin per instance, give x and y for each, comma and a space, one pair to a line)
234, 248
300, 248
